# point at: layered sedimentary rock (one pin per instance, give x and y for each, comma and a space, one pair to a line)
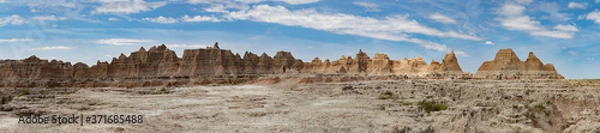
450, 64
158, 63
381, 64
210, 63
161, 62
35, 68
506, 65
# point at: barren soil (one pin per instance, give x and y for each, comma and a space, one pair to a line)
366, 106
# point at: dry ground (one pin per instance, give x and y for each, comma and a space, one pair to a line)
369, 106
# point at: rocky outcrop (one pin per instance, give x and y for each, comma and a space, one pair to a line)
210, 64
35, 68
450, 64
506, 65
159, 62
382, 65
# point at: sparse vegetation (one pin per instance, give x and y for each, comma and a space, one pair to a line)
432, 107
24, 92
538, 108
387, 95
405, 103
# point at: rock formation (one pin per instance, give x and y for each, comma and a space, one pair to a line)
506, 65
450, 63
214, 63
382, 65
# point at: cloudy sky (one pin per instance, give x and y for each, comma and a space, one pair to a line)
564, 33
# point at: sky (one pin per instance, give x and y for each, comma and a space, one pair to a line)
564, 33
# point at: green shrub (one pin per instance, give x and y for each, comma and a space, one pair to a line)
386, 95
24, 92
431, 107
405, 103
539, 108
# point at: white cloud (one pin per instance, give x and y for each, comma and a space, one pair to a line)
200, 1
566, 28
390, 28
37, 4
199, 18
572, 52
597, 1
524, 2
113, 19
553, 34
127, 6
553, 10
51, 48
185, 18
2, 1
595, 16
291, 2
338, 22
371, 7
573, 5
15, 40
48, 18
13, 19
489, 43
298, 2
162, 20
442, 18
512, 17
122, 41
186, 46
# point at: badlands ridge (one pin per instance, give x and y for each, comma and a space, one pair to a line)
214, 65
201, 92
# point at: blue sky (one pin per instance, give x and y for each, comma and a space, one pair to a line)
564, 33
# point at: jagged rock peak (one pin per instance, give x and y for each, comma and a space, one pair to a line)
506, 55
81, 64
450, 63
506, 65
418, 58
317, 58
142, 49
532, 56
381, 56
283, 54
152, 49
216, 45
33, 58
162, 47
122, 57
263, 55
